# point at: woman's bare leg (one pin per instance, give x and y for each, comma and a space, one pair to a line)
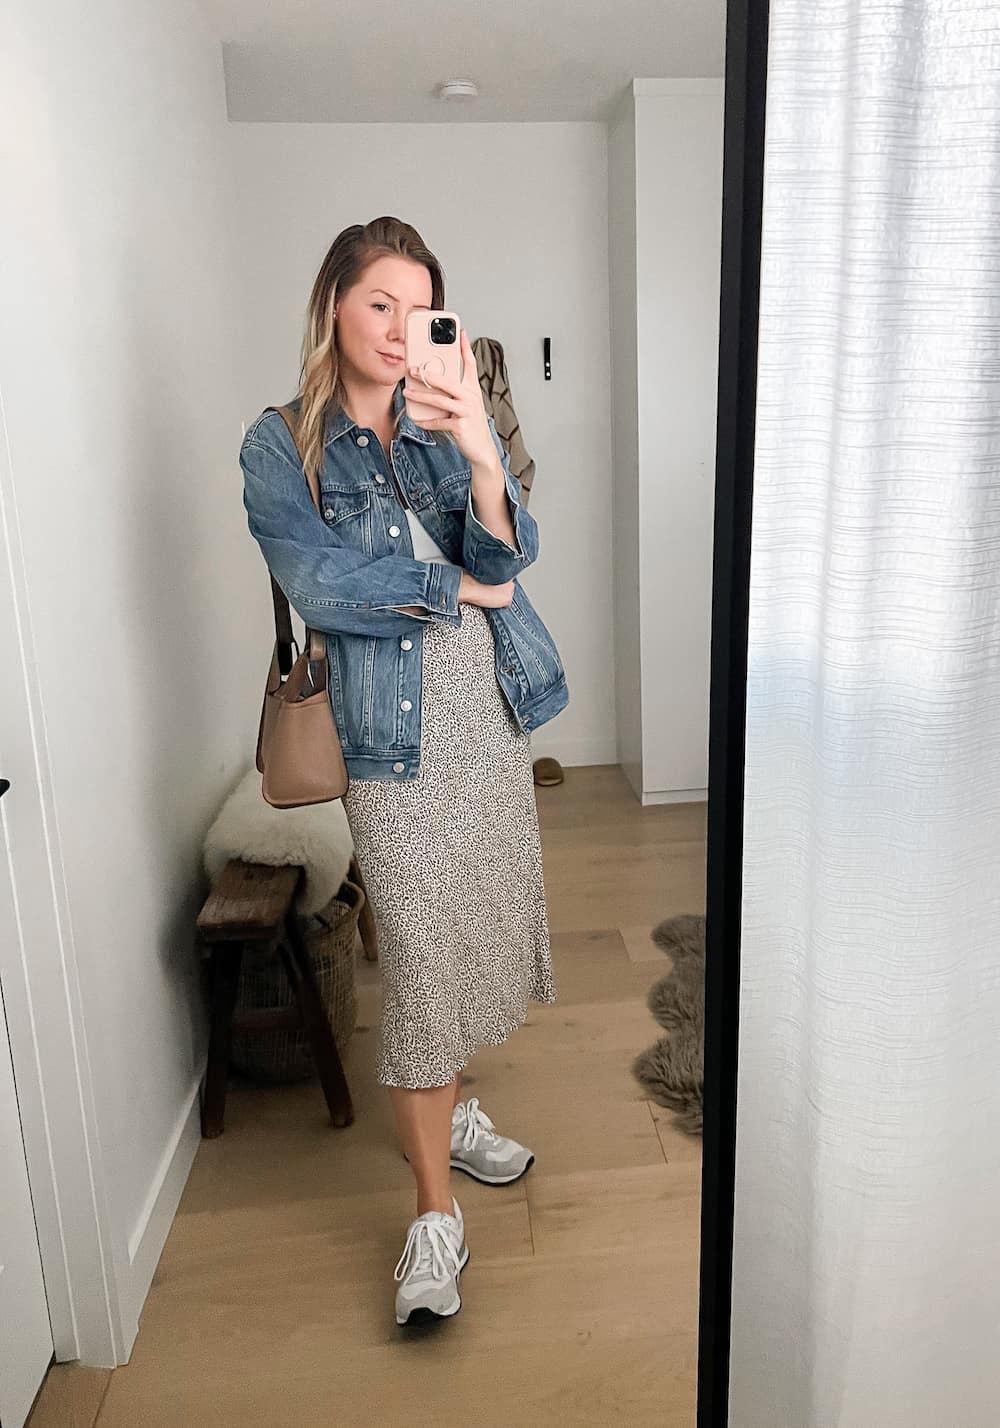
424, 1121
458, 1089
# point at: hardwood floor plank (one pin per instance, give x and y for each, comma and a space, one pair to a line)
272, 1306
70, 1397
643, 1381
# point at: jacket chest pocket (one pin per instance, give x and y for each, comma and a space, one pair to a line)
348, 513
451, 502
453, 492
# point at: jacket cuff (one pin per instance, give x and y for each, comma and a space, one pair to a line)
443, 580
480, 536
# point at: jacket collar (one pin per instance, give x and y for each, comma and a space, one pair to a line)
338, 422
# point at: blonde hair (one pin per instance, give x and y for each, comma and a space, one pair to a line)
352, 251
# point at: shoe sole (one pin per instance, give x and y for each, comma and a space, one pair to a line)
423, 1315
486, 1179
492, 1179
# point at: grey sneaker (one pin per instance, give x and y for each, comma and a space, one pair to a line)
477, 1149
429, 1267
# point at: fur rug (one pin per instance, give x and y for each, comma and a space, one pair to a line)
673, 1071
317, 837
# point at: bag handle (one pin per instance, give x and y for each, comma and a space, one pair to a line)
282, 614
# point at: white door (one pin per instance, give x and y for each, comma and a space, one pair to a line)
25, 1335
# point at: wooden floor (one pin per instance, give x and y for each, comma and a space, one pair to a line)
272, 1306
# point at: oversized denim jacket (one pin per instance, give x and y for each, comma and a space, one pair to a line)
346, 567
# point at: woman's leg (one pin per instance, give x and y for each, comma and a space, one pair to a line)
424, 1121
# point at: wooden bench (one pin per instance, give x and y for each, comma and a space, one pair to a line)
251, 903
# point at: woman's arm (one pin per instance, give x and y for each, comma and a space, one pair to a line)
493, 507
331, 586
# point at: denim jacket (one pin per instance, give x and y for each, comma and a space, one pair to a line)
346, 569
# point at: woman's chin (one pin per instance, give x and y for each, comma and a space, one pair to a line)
376, 374
387, 379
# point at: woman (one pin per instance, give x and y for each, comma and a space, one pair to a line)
439, 670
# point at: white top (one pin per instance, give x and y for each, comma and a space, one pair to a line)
424, 546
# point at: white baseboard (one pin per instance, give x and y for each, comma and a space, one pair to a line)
147, 1239
675, 795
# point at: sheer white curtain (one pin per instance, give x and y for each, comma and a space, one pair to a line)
867, 1237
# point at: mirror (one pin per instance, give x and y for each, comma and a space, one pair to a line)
514, 617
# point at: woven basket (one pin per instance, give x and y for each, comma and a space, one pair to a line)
285, 1055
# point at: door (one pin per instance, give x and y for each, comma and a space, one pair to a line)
25, 1335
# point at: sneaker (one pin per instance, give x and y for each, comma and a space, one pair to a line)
477, 1149
429, 1267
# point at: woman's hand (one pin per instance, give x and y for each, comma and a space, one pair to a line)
489, 597
462, 409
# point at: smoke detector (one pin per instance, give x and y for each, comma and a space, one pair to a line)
458, 89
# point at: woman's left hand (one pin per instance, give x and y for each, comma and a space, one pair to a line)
462, 409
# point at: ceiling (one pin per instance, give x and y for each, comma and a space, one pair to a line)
370, 61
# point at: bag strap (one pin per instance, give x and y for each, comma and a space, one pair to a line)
292, 422
284, 635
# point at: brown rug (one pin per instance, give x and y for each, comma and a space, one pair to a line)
672, 1072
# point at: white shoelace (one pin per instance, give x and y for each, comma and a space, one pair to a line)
428, 1247
477, 1124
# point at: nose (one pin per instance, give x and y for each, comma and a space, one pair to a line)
397, 327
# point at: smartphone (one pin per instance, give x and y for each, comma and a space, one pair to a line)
433, 343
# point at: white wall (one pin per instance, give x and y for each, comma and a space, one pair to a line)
625, 410
517, 214
665, 223
123, 423
678, 143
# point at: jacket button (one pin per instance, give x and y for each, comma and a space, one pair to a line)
398, 768
406, 644
328, 513
362, 441
394, 530
379, 478
405, 704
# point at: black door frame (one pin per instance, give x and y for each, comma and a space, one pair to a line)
742, 199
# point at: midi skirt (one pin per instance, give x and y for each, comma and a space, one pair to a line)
452, 863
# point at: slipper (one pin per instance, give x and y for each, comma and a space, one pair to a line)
547, 771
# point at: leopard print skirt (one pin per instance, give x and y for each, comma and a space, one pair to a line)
452, 862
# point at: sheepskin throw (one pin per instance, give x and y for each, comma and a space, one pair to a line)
317, 838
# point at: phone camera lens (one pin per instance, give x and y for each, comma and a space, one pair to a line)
443, 330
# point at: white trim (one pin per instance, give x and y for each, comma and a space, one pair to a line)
165, 1171
145, 1243
42, 996
675, 795
661, 88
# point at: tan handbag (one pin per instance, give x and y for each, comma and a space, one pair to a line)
298, 745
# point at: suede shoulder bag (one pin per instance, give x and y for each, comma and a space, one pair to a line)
298, 744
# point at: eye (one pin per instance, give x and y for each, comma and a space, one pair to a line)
381, 304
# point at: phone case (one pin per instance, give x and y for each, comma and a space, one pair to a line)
436, 359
